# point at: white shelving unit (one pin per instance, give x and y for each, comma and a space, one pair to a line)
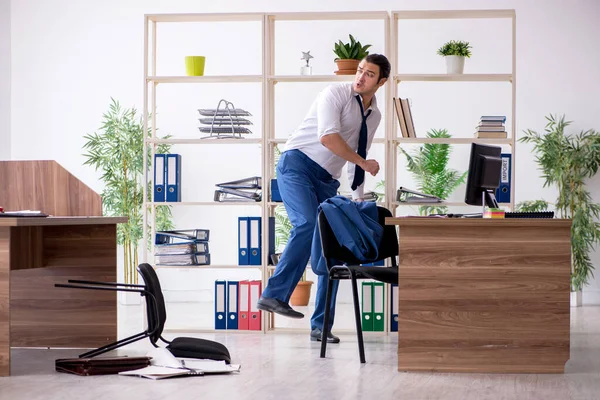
397, 18
269, 78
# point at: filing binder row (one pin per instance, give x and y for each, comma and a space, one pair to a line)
235, 305
250, 240
503, 191
247, 189
372, 306
182, 247
167, 177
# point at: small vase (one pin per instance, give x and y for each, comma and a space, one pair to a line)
455, 64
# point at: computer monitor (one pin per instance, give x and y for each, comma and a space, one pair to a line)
484, 175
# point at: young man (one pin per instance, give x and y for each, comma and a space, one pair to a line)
338, 128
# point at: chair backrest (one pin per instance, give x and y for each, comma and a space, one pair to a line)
332, 250
155, 302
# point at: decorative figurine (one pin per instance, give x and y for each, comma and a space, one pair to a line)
307, 69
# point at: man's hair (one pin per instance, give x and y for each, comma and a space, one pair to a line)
382, 62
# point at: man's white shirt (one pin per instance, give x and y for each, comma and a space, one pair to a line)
335, 110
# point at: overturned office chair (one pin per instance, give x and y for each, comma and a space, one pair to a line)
156, 314
335, 254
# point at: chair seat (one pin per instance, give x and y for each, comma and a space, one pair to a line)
383, 274
187, 347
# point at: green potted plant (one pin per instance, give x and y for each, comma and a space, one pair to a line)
454, 52
429, 165
567, 161
117, 150
349, 55
283, 226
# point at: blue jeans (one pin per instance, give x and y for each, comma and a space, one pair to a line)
303, 185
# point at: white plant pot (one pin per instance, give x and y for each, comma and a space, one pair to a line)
455, 64
576, 299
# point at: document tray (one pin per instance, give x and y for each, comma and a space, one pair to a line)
101, 365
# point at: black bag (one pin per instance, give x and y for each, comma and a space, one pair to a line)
100, 365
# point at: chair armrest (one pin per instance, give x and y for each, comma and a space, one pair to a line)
98, 283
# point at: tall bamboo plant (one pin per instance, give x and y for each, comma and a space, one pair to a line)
117, 150
429, 165
567, 161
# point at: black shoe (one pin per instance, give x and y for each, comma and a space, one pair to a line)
277, 306
316, 335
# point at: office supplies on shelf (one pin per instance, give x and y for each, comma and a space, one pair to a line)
183, 259
181, 235
220, 304
160, 170
367, 196
254, 182
225, 122
275, 194
232, 304
412, 196
187, 247
503, 191
226, 194
173, 178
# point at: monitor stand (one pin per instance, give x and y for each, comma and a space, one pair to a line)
488, 199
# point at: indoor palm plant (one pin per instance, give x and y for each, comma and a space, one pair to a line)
117, 150
454, 52
429, 165
567, 161
283, 226
349, 55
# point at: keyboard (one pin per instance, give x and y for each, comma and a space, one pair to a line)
534, 214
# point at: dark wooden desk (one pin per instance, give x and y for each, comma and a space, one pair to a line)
36, 253
484, 295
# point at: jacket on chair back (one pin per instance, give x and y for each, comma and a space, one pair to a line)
355, 226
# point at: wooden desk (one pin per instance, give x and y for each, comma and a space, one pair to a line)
36, 253
484, 295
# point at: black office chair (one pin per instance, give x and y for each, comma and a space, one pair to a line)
156, 314
335, 254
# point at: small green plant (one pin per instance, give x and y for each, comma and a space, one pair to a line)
455, 48
118, 152
429, 165
567, 161
532, 206
350, 51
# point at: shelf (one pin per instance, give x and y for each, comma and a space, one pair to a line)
329, 16
205, 141
203, 203
443, 204
215, 17
311, 78
280, 141
453, 78
398, 141
453, 14
205, 79
210, 266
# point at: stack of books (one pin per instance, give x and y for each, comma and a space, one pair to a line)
182, 247
491, 127
247, 189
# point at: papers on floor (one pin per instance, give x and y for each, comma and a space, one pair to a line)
165, 365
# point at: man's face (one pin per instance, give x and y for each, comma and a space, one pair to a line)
366, 79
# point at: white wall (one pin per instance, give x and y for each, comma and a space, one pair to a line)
4, 80
68, 58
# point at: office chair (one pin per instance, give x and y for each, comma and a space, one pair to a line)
156, 315
335, 254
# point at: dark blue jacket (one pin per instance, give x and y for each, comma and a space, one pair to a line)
355, 226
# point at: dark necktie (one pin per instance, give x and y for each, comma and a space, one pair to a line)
359, 173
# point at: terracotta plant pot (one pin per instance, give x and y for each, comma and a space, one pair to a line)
301, 294
346, 67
